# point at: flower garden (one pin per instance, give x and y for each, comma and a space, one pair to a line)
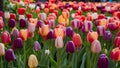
60, 35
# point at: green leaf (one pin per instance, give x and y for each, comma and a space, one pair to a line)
53, 62
83, 61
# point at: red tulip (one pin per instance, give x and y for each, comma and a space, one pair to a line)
5, 37
12, 16
21, 11
29, 16
91, 36
1, 24
117, 41
76, 38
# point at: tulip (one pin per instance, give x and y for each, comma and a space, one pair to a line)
31, 6
21, 17
23, 34
2, 49
58, 32
5, 37
96, 46
33, 20
115, 54
76, 23
31, 27
40, 23
11, 23
21, 11
113, 26
23, 23
1, 13
1, 24
102, 61
59, 42
29, 16
50, 34
36, 46
12, 16
32, 61
44, 30
69, 31
63, 21
7, 15
43, 16
70, 47
9, 55
76, 38
117, 41
108, 35
87, 26
15, 32
51, 23
91, 36
100, 30
18, 43
101, 16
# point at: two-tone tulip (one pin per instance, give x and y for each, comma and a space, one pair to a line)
91, 36
100, 30
50, 34
96, 46
23, 34
70, 47
44, 30
59, 42
2, 49
31, 27
43, 16
5, 37
76, 23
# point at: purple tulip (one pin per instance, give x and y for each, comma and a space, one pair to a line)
70, 47
69, 31
51, 23
50, 34
103, 61
9, 55
108, 35
11, 23
100, 30
18, 43
87, 26
112, 26
76, 23
36, 46
40, 23
23, 23
15, 33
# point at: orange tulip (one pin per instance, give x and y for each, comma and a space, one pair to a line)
63, 21
33, 20
44, 30
23, 34
76, 38
91, 36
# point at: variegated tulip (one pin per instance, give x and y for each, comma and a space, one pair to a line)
31, 27
96, 46
100, 30
23, 34
91, 36
2, 49
44, 30
43, 16
59, 42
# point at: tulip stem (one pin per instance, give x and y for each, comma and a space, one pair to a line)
115, 66
24, 55
18, 59
1, 62
76, 55
58, 58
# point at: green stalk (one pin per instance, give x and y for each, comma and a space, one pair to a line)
1, 62
116, 63
18, 60
76, 55
24, 55
58, 58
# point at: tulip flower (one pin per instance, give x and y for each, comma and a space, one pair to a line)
23, 34
107, 35
11, 23
70, 47
113, 26
5, 37
7, 15
15, 32
44, 30
101, 16
9, 55
50, 34
37, 46
1, 24
1, 13
87, 26
76, 23
115, 54
12, 16
2, 49
102, 61
31, 27
29, 16
91, 36
76, 38
100, 30
21, 11
43, 16
117, 41
96, 46
47, 52
21, 17
32, 61
69, 31
33, 20
40, 23
63, 21
18, 43
51, 23
23, 23
58, 32
59, 42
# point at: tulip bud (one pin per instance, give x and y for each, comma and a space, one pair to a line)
44, 30
59, 42
51, 23
76, 23
29, 16
70, 47
76, 38
31, 27
23, 23
102, 61
100, 30
21, 17
9, 55
1, 24
108, 35
33, 20
7, 15
91, 36
43, 16
2, 50
18, 43
50, 34
21, 11
115, 54
69, 31
32, 61
117, 41
36, 46
12, 16
11, 23
15, 32
87, 26
96, 46
47, 52
112, 26
23, 34
5, 37
40, 23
